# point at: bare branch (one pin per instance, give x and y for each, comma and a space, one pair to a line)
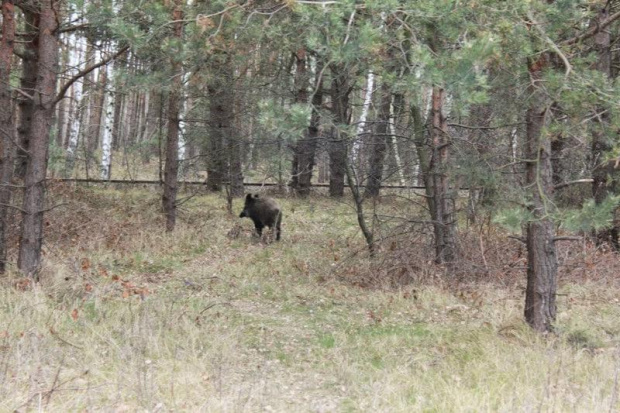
567, 238
84, 72
577, 181
592, 31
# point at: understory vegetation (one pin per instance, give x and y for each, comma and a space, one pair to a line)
209, 318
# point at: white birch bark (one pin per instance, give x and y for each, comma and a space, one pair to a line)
74, 123
106, 141
370, 83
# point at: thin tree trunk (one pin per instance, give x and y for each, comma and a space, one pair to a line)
96, 112
423, 154
33, 207
106, 139
235, 143
119, 98
7, 123
379, 143
395, 113
64, 105
300, 98
172, 142
337, 147
540, 294
443, 215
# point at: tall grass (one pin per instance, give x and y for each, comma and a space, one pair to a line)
130, 318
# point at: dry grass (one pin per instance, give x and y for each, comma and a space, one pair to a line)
129, 318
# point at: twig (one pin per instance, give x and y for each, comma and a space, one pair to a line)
577, 181
55, 334
567, 238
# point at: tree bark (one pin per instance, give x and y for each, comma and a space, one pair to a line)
540, 294
96, 112
75, 123
62, 108
171, 170
7, 123
27, 84
119, 99
337, 148
33, 207
379, 143
443, 212
220, 120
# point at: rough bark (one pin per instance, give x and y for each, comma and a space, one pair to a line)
33, 206
171, 170
220, 120
7, 123
443, 213
379, 146
337, 147
540, 295
119, 99
27, 84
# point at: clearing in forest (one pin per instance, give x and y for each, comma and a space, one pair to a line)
207, 318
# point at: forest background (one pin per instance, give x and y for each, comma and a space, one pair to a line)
467, 141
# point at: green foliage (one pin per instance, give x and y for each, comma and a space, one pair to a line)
289, 122
591, 216
512, 219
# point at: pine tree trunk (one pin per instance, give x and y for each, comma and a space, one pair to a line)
96, 113
33, 207
172, 142
235, 143
119, 99
379, 143
7, 123
540, 294
27, 84
443, 204
337, 147
220, 90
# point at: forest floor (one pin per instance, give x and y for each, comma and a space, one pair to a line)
128, 318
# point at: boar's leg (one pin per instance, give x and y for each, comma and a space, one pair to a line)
259, 227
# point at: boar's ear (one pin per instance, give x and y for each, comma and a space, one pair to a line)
248, 197
256, 196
